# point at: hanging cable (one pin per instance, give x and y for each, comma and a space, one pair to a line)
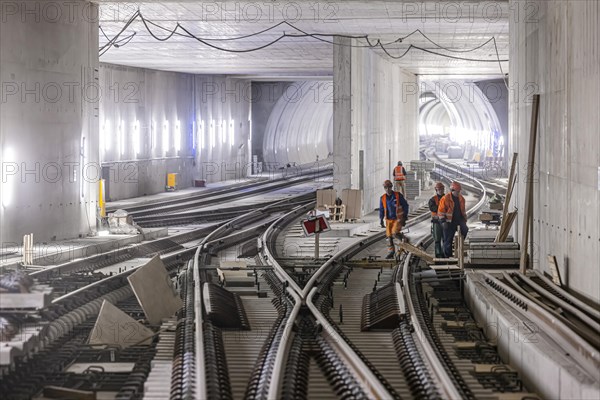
116, 42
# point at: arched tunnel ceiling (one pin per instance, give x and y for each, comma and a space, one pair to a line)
459, 104
456, 25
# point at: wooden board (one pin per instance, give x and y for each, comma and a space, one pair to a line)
115, 328
416, 251
154, 290
326, 196
554, 270
528, 215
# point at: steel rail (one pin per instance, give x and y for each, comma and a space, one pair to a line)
580, 350
446, 383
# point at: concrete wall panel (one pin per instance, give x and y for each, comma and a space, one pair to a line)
154, 122
556, 53
48, 122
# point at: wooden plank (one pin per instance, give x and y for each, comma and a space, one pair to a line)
154, 290
509, 190
529, 190
58, 392
506, 225
416, 251
554, 270
492, 368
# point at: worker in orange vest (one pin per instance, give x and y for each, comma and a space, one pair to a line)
452, 214
399, 174
394, 208
436, 226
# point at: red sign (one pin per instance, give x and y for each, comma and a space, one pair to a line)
310, 225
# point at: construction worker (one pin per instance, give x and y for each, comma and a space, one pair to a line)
436, 226
399, 174
394, 208
452, 214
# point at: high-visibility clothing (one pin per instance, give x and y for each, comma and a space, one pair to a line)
434, 204
446, 207
393, 207
399, 173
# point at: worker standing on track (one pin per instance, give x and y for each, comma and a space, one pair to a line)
399, 174
452, 214
394, 208
436, 226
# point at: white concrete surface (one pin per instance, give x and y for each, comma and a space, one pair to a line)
48, 121
554, 52
154, 123
542, 364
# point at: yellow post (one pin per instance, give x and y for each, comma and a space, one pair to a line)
101, 202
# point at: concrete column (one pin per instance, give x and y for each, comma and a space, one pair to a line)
374, 116
342, 114
48, 119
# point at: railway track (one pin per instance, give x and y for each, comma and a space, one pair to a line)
68, 321
297, 328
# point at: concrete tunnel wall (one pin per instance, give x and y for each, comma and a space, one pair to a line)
556, 53
48, 122
154, 122
299, 128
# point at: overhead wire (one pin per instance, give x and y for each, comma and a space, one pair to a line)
116, 42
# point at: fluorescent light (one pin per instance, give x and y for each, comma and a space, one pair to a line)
153, 134
194, 133
201, 134
223, 129
212, 134
122, 136
231, 131
136, 138
165, 137
9, 169
105, 134
177, 134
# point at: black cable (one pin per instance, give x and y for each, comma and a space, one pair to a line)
110, 43
500, 64
316, 36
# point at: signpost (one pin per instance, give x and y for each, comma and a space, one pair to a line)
314, 225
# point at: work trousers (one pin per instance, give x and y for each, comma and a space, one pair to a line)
437, 233
399, 186
449, 235
392, 228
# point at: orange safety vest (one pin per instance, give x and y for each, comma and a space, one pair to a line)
437, 203
398, 174
399, 209
446, 207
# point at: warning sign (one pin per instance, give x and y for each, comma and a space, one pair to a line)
309, 225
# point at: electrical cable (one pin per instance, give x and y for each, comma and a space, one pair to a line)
317, 36
500, 64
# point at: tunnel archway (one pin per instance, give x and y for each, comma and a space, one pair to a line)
300, 127
461, 111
